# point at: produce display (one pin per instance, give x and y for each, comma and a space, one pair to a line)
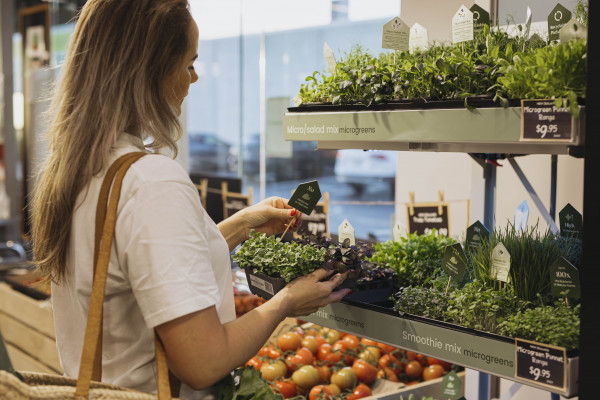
494, 64
313, 362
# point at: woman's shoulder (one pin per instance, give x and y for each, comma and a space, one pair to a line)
158, 168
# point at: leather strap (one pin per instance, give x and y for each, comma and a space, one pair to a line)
106, 215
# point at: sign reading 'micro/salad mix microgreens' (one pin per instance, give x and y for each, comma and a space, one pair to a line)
494, 64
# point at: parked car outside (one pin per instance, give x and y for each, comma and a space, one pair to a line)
359, 168
209, 153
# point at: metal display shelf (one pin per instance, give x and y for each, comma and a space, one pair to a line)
490, 130
482, 352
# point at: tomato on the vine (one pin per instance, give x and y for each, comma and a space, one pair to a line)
273, 370
321, 392
387, 373
326, 354
386, 348
432, 361
390, 361
360, 391
341, 347
351, 341
303, 356
289, 341
433, 371
413, 369
324, 373
255, 362
365, 372
310, 342
286, 387
344, 378
305, 377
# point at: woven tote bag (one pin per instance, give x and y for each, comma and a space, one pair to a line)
41, 386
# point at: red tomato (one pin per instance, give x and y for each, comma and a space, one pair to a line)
387, 348
360, 391
432, 372
386, 373
269, 351
289, 341
255, 362
410, 355
341, 347
433, 361
351, 340
324, 373
302, 357
286, 387
368, 342
326, 354
391, 362
422, 359
365, 372
413, 369
321, 392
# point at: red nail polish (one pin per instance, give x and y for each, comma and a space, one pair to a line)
350, 292
293, 212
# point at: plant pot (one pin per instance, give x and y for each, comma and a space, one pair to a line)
371, 292
263, 285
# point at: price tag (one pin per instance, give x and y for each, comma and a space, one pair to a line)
398, 231
558, 17
454, 261
541, 120
541, 363
500, 263
305, 197
521, 216
462, 25
571, 221
451, 385
346, 231
395, 35
564, 279
480, 18
418, 39
477, 234
329, 58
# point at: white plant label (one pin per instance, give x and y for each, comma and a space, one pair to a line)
572, 30
500, 263
521, 216
528, 23
398, 231
462, 25
418, 39
395, 35
329, 58
346, 231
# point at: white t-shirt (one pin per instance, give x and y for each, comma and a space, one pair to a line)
168, 259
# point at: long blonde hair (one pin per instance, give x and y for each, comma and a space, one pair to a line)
114, 79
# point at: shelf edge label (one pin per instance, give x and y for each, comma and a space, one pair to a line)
542, 121
541, 363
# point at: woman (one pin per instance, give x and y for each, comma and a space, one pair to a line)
128, 68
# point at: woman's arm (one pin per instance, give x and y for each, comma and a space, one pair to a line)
200, 350
270, 216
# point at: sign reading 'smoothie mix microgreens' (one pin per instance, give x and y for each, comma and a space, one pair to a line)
454, 261
305, 197
571, 221
564, 279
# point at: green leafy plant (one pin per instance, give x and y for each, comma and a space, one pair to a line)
556, 324
429, 302
415, 258
245, 383
270, 256
531, 254
479, 307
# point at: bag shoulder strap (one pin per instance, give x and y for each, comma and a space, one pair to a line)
106, 214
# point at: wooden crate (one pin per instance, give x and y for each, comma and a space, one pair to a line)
28, 329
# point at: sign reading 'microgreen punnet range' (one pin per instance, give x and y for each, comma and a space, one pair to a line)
541, 363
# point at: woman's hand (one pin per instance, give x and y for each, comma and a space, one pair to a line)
270, 216
305, 295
